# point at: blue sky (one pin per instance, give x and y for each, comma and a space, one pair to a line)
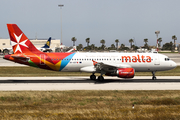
96, 19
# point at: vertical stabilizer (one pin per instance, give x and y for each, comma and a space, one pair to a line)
20, 43
48, 43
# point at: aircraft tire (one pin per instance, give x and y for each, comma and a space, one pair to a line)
101, 78
93, 77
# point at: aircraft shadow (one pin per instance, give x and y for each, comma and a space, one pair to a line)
138, 81
93, 81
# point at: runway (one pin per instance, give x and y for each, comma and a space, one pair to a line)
84, 83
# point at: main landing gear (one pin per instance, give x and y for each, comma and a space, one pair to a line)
101, 78
154, 77
93, 77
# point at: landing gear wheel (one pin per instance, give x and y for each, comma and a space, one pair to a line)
154, 77
93, 77
101, 78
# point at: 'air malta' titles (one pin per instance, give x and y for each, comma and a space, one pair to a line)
137, 58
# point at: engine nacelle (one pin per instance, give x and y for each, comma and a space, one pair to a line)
125, 72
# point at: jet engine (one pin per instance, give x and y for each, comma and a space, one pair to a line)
123, 73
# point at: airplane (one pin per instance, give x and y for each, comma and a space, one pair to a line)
122, 65
72, 49
46, 47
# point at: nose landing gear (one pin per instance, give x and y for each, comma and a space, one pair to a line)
154, 77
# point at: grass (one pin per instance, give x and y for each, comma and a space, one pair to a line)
31, 72
88, 105
167, 52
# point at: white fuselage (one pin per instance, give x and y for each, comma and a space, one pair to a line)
141, 62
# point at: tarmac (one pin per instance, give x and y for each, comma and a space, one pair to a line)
84, 83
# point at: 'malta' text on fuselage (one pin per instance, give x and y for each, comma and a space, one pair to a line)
137, 58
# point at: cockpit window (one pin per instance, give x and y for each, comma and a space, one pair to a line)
167, 59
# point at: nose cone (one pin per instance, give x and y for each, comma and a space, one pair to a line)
173, 65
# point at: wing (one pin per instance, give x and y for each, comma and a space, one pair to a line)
107, 67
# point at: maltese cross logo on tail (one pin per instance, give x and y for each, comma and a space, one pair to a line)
17, 45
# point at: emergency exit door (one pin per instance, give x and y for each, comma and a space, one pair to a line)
156, 60
42, 59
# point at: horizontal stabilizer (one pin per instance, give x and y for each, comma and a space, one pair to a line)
19, 57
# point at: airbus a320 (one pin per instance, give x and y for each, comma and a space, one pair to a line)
122, 65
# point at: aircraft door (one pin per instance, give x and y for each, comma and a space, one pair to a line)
42, 59
156, 60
